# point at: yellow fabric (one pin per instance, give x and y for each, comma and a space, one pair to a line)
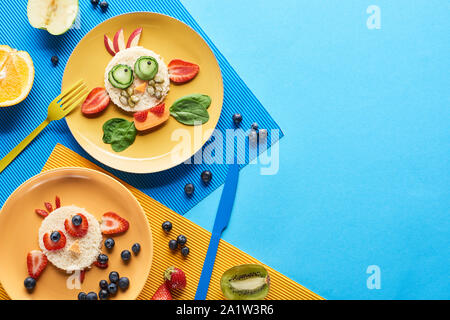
282, 288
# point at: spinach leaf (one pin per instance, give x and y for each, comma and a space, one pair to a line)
191, 110
203, 99
120, 133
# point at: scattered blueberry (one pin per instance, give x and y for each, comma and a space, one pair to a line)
126, 255
206, 176
181, 240
255, 126
136, 248
102, 258
124, 283
94, 2
112, 288
185, 251
114, 276
104, 5
82, 296
103, 284
55, 60
29, 283
173, 244
103, 294
76, 220
189, 189
91, 296
109, 243
167, 226
55, 236
237, 118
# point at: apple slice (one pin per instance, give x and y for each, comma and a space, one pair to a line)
109, 45
134, 38
119, 42
55, 16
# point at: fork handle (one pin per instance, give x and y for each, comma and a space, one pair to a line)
19, 148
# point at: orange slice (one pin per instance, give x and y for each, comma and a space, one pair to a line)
16, 76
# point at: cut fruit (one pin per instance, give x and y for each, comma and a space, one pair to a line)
55, 16
112, 223
119, 41
16, 76
245, 282
96, 102
36, 263
153, 119
182, 71
109, 45
133, 40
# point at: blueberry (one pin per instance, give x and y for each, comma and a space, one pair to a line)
112, 288
55, 236
181, 240
55, 60
237, 118
206, 176
104, 5
136, 248
103, 284
255, 126
189, 189
124, 283
76, 220
29, 283
94, 2
167, 226
91, 296
82, 296
109, 243
114, 276
103, 294
185, 251
173, 244
126, 255
102, 258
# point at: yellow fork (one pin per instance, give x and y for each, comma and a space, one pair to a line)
58, 109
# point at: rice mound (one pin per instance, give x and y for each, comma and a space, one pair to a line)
129, 57
90, 244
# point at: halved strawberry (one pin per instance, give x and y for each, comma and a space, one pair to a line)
36, 263
48, 206
159, 109
96, 102
101, 265
57, 202
77, 231
162, 293
51, 245
182, 71
141, 116
112, 223
41, 212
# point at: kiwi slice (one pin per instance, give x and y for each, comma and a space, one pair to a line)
245, 282
146, 67
121, 76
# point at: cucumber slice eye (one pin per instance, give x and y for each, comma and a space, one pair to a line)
146, 68
121, 76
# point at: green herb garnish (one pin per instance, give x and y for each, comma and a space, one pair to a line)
119, 133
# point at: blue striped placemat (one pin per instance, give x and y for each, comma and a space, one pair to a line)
16, 122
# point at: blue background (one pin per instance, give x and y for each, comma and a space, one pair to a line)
364, 170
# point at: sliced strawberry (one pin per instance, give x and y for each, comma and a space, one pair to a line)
77, 231
159, 109
101, 265
162, 293
51, 246
36, 263
141, 116
41, 212
82, 275
57, 202
175, 278
96, 102
48, 206
182, 71
112, 223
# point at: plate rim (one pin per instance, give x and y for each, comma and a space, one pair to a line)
131, 169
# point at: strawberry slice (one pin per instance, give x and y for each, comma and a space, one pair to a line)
101, 265
182, 71
57, 202
141, 116
96, 102
159, 109
48, 206
36, 263
51, 245
112, 223
41, 212
162, 293
77, 231
82, 275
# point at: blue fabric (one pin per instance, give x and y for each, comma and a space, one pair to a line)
166, 187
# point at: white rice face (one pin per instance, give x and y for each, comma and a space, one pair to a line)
128, 57
90, 244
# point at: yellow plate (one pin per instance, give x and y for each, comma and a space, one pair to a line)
170, 38
86, 188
